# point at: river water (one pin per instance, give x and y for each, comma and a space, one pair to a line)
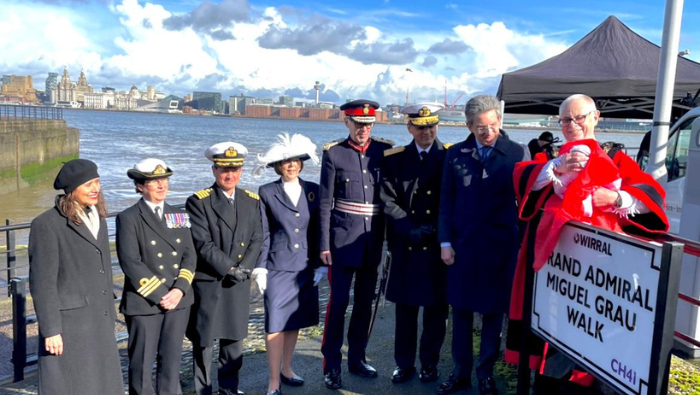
117, 140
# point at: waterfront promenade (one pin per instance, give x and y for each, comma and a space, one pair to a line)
307, 361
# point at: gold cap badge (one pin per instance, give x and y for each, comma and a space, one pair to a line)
424, 112
231, 153
159, 170
365, 110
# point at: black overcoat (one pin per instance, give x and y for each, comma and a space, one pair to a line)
478, 216
154, 259
411, 195
223, 237
70, 277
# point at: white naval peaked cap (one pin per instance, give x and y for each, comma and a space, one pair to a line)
423, 114
227, 154
297, 146
149, 168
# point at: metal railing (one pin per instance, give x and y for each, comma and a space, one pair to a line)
18, 290
15, 112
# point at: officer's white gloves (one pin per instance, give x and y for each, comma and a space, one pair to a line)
319, 274
260, 275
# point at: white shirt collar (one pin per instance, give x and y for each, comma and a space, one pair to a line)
153, 205
421, 149
231, 196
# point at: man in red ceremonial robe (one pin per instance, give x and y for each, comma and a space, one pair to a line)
585, 183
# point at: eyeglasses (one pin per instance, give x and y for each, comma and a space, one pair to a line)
158, 181
579, 119
488, 128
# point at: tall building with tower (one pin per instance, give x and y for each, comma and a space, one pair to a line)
317, 87
51, 83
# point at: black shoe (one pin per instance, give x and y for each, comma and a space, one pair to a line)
428, 374
224, 391
488, 386
362, 369
275, 392
295, 381
402, 375
453, 384
333, 380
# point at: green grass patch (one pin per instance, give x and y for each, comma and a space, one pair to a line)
34, 172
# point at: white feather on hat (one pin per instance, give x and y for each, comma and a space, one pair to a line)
298, 146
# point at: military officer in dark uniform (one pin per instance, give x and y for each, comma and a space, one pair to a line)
158, 260
227, 234
352, 230
411, 177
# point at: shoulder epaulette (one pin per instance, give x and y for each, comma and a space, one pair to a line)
333, 143
385, 141
203, 193
252, 194
392, 151
448, 145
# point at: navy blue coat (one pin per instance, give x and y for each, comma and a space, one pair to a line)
478, 216
353, 240
291, 232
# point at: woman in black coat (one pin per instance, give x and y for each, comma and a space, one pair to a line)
285, 270
158, 259
70, 277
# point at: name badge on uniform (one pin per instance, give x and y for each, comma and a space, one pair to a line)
177, 220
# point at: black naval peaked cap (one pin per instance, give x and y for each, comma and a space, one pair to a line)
75, 173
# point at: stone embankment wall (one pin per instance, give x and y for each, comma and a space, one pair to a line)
31, 150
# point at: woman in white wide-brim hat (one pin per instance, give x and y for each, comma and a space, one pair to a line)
288, 269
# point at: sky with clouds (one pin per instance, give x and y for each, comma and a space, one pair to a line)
267, 48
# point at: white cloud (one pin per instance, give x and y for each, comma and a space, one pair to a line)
180, 61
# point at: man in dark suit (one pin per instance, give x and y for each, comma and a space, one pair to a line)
411, 178
227, 234
352, 230
478, 234
158, 259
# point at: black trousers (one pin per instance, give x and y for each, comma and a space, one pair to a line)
230, 363
462, 350
152, 336
340, 279
431, 339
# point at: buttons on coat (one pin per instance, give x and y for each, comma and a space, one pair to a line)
297, 215
102, 271
153, 242
242, 244
364, 171
240, 256
176, 266
160, 267
296, 230
160, 255
428, 192
177, 241
296, 245
174, 253
427, 211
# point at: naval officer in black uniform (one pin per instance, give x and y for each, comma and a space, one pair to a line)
227, 234
158, 260
411, 178
351, 235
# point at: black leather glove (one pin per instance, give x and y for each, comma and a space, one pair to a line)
420, 234
238, 273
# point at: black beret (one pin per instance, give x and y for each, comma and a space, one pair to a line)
75, 173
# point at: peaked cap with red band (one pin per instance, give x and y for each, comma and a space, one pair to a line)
360, 111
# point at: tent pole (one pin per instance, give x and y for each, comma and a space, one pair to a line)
665, 84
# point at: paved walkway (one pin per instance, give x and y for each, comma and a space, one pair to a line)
307, 363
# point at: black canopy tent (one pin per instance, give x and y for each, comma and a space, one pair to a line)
612, 64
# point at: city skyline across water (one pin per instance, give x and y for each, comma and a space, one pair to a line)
117, 140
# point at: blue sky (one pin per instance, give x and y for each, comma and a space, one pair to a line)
273, 47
